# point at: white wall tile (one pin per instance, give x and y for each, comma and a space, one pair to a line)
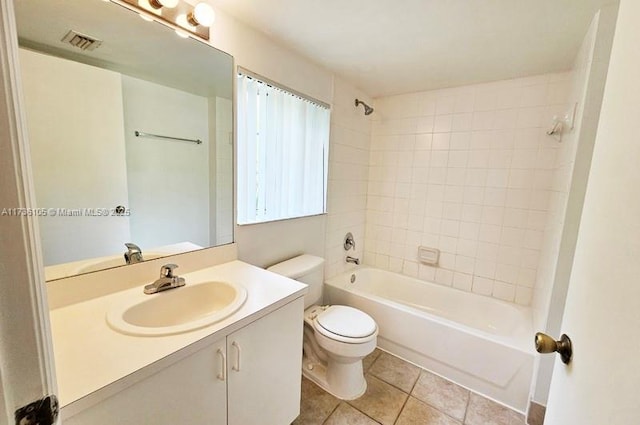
462, 281
441, 141
469, 171
445, 105
460, 140
444, 277
482, 286
504, 291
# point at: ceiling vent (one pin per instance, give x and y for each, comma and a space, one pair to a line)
81, 41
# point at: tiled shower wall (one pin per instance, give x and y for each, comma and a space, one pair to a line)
572, 170
469, 171
348, 173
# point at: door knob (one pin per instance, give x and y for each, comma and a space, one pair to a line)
546, 344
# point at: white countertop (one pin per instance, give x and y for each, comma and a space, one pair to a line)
93, 360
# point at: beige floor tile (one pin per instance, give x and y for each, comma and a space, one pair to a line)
482, 411
347, 415
316, 404
395, 371
441, 394
381, 402
416, 412
368, 361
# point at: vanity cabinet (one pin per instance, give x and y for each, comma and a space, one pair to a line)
252, 376
266, 388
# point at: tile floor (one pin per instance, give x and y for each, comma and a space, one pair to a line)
401, 393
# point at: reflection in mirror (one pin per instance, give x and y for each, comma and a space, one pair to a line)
131, 138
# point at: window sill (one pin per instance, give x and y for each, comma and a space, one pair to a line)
280, 220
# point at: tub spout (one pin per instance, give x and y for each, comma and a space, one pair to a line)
353, 260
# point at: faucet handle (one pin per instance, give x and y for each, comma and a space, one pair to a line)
133, 254
167, 270
349, 242
132, 247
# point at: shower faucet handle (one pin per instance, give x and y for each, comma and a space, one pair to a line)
349, 242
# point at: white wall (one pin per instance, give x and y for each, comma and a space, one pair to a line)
268, 243
75, 124
467, 170
223, 181
259, 53
569, 186
213, 171
168, 180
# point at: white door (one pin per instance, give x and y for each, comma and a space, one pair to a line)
602, 314
26, 362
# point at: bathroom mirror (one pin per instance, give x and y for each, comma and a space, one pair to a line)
130, 128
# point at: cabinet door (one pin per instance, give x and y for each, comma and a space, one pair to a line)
190, 391
265, 368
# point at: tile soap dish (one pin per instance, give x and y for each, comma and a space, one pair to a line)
428, 256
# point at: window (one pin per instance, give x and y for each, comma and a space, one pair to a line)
283, 146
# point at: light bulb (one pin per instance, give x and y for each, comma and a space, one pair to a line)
183, 22
157, 4
202, 14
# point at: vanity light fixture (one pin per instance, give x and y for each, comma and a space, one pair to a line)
144, 4
159, 4
202, 14
182, 21
189, 19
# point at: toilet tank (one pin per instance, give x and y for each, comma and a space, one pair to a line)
307, 269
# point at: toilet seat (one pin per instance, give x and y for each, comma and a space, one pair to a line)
346, 324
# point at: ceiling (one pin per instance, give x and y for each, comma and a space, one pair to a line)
389, 47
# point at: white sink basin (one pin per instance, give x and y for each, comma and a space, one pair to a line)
178, 310
113, 262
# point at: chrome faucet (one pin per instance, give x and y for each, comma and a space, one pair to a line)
133, 254
349, 242
166, 281
353, 260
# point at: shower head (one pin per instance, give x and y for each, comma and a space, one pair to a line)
368, 110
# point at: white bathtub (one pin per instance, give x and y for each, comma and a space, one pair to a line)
481, 343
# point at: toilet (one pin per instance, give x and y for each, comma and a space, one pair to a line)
336, 337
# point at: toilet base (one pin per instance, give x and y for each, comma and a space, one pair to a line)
317, 372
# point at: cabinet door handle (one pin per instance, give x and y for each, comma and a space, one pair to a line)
223, 366
237, 366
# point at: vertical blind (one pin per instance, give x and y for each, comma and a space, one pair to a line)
283, 143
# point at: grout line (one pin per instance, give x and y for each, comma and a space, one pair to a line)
332, 412
425, 402
373, 419
466, 409
460, 421
391, 383
402, 409
417, 379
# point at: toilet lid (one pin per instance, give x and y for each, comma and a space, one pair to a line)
347, 322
